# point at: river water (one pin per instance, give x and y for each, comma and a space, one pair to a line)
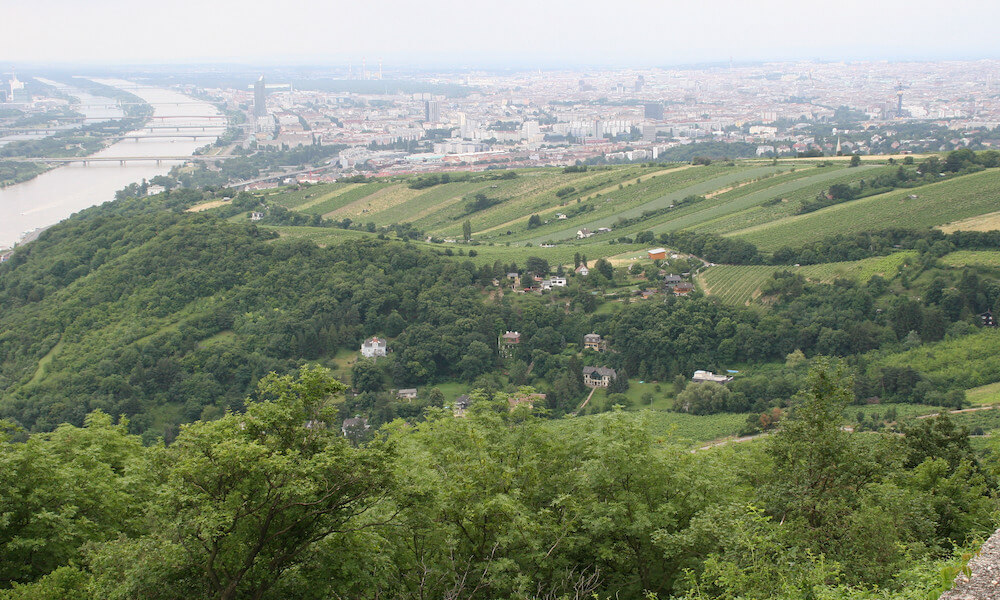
57, 194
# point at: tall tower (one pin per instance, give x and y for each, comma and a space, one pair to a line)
899, 99
259, 98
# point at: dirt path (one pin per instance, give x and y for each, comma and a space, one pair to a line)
582, 406
208, 205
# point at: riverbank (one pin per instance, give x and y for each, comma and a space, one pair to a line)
53, 195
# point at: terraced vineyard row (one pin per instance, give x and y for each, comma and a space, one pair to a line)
985, 258
618, 210
751, 210
934, 204
740, 284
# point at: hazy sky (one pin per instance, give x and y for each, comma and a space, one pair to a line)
514, 32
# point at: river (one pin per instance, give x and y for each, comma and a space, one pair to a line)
57, 194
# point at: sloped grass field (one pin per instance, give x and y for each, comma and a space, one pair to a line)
754, 212
740, 284
935, 204
649, 196
982, 258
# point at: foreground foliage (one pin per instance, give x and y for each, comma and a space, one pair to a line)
275, 503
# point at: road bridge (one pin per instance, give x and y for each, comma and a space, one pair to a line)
161, 117
176, 135
119, 159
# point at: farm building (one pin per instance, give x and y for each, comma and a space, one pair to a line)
657, 254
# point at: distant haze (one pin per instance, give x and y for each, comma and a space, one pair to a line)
516, 33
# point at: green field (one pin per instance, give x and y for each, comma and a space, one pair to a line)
656, 194
984, 394
935, 204
792, 193
983, 258
740, 284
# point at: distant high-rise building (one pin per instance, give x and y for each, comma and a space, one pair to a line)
639, 82
432, 111
652, 110
259, 98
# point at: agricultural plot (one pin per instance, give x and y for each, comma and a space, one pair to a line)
750, 208
368, 208
311, 195
935, 204
344, 197
982, 258
322, 236
987, 222
620, 199
648, 197
428, 202
984, 394
519, 198
740, 284
735, 284
559, 255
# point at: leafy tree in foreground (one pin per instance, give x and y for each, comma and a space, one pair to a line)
247, 494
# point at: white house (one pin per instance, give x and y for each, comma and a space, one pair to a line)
373, 347
551, 282
582, 270
703, 376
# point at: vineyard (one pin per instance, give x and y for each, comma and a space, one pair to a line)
759, 211
740, 284
932, 205
983, 258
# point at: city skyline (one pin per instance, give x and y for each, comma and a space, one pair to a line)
443, 33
